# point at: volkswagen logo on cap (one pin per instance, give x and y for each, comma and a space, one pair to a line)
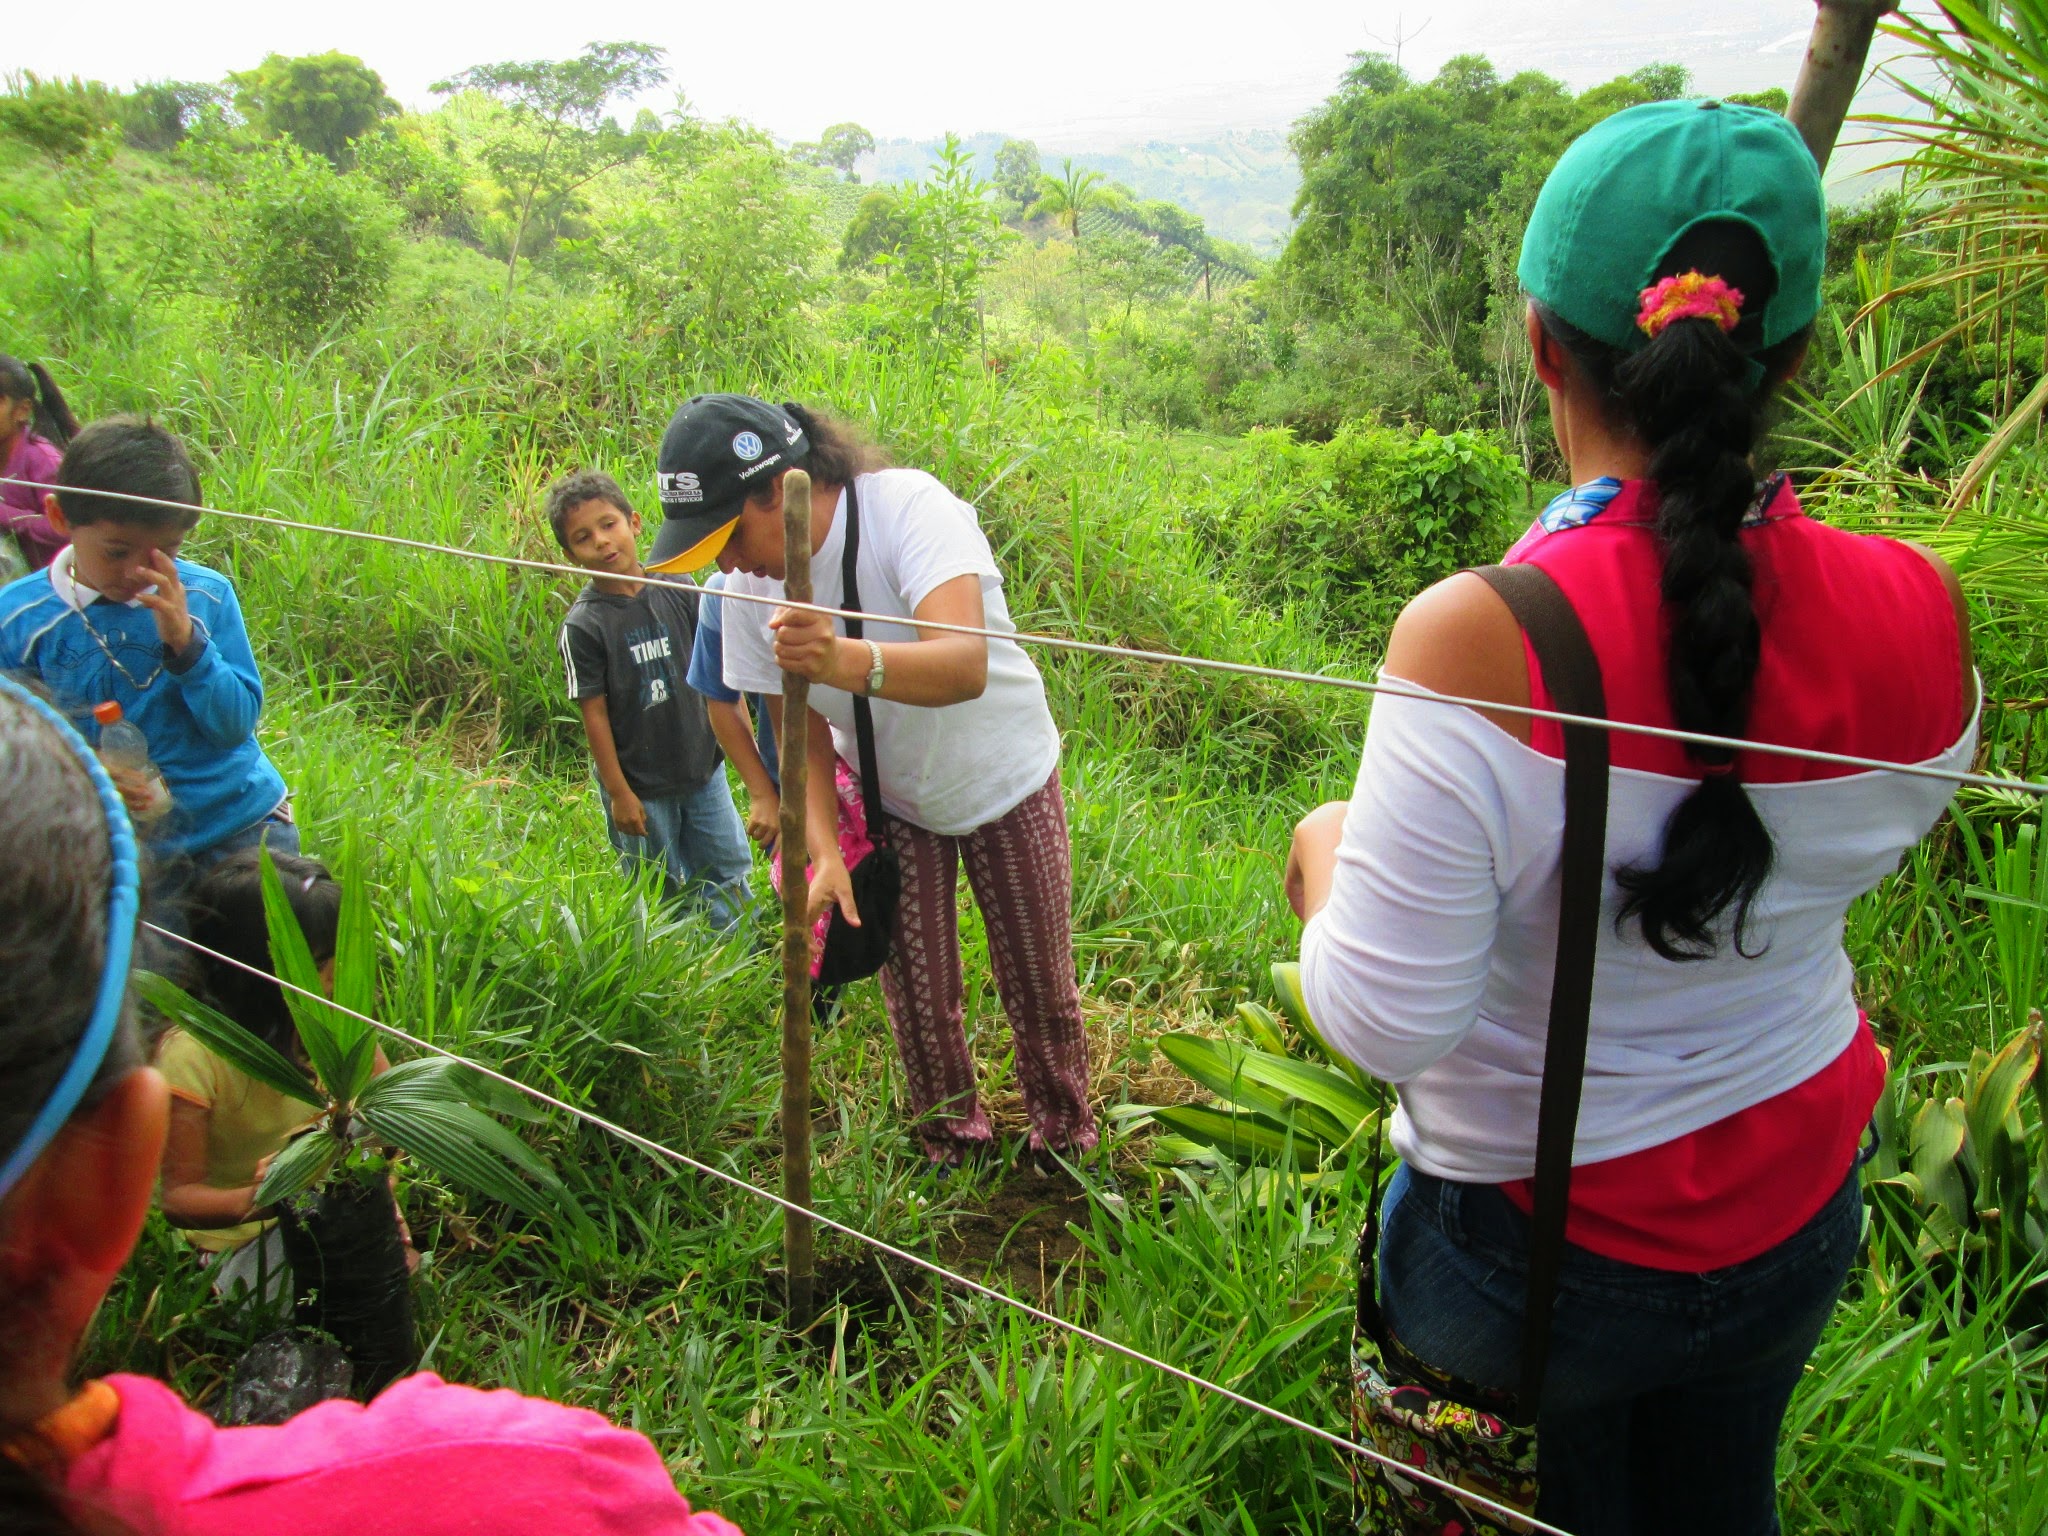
716, 448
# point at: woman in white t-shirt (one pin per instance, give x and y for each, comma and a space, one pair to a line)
968, 755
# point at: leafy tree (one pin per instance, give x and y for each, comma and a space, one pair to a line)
880, 227
1393, 278
1135, 267
320, 101
558, 136
1775, 99
924, 248
839, 147
954, 228
1175, 230
1171, 225
157, 114
423, 181
1017, 172
306, 249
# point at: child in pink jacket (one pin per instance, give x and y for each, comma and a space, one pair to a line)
423, 1459
35, 424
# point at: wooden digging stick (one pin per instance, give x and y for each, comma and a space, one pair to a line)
797, 1265
1835, 57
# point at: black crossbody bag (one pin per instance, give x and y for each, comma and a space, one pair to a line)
1481, 1439
852, 953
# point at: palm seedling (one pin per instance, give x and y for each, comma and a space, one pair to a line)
1961, 1169
1283, 1100
329, 1187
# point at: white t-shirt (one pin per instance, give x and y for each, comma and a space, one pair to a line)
950, 769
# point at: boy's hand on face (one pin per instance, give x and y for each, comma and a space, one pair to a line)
764, 818
167, 602
629, 815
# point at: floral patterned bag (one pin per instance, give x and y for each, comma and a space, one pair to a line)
1481, 1439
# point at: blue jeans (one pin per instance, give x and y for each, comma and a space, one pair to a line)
1665, 1390
699, 845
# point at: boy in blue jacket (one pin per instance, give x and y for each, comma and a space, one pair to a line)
118, 617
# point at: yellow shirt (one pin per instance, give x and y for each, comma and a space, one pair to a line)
247, 1121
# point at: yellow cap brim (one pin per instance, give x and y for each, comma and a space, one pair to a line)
699, 554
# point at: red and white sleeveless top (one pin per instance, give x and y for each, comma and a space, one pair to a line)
1724, 1097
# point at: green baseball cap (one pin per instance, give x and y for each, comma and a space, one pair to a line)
1631, 187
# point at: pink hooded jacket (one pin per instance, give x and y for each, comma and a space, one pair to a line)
424, 1459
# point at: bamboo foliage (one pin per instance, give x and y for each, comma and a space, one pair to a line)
1977, 164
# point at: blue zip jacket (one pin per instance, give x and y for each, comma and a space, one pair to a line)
200, 723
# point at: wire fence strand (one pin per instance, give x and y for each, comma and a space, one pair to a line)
663, 1152
1126, 653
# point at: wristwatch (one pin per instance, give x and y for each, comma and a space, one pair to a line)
874, 668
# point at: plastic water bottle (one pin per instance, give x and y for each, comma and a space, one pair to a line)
123, 749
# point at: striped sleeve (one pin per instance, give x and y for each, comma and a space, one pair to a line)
583, 661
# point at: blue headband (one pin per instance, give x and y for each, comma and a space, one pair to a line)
124, 905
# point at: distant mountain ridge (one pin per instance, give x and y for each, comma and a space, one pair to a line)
1241, 182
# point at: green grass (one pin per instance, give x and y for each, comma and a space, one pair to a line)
416, 698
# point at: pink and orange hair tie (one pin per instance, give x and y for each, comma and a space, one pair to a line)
1689, 296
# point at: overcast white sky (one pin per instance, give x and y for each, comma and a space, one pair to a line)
1060, 71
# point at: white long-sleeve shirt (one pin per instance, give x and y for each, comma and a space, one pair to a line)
1431, 964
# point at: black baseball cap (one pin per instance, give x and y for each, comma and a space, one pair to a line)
717, 450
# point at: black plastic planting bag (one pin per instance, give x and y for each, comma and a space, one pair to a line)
349, 1265
285, 1373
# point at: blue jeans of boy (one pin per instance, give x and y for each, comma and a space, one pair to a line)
700, 846
1665, 1391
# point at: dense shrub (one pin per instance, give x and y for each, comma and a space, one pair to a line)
64, 121
424, 183
319, 101
880, 227
305, 249
1387, 512
158, 113
719, 261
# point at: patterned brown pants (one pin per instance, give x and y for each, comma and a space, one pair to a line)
1021, 869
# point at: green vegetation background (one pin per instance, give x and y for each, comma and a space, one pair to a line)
410, 323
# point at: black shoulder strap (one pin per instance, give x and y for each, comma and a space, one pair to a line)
1572, 674
863, 713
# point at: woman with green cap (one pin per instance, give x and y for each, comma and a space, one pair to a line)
1673, 267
